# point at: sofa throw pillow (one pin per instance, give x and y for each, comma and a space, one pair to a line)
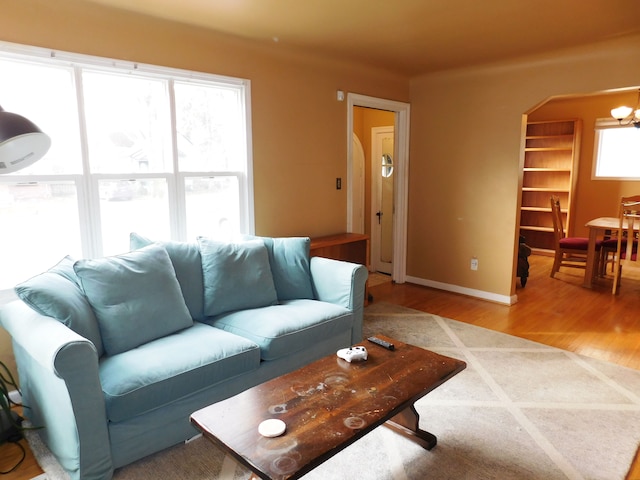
237, 276
56, 293
135, 296
185, 257
289, 261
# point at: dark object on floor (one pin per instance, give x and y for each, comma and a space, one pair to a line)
11, 431
524, 251
10, 428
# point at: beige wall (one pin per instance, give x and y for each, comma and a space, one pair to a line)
299, 128
592, 198
466, 156
466, 126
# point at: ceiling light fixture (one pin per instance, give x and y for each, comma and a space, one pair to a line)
628, 115
22, 143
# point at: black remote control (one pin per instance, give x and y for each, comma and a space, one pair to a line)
382, 343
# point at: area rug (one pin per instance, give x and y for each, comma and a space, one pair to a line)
520, 411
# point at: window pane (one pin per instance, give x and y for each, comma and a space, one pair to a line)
126, 206
210, 129
46, 96
213, 208
128, 126
40, 226
618, 153
121, 136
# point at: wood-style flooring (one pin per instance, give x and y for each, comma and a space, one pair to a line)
554, 311
557, 312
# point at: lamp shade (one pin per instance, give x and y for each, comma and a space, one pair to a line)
621, 112
22, 143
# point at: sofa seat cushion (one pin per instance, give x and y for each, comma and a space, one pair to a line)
164, 370
288, 327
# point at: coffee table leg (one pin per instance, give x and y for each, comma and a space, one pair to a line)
406, 423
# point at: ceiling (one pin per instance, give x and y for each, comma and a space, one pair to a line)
411, 37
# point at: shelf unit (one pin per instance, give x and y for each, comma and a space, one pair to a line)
550, 168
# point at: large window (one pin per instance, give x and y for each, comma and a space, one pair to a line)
157, 151
616, 151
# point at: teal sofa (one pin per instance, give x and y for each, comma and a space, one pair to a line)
115, 353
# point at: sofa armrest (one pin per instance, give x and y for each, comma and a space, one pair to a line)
58, 375
341, 283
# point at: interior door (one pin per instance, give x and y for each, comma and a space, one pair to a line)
382, 183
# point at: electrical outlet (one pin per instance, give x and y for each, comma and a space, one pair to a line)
474, 263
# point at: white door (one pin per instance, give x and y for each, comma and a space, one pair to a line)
382, 204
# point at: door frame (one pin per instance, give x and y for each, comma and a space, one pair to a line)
401, 186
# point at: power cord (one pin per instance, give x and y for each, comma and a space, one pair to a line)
24, 455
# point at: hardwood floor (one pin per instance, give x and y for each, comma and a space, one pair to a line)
554, 311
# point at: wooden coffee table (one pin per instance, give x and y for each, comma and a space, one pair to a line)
326, 406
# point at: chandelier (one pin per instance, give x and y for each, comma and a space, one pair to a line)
628, 115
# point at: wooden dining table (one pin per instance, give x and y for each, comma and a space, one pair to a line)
597, 228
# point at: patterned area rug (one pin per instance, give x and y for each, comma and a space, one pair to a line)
521, 410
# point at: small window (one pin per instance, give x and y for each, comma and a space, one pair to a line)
616, 153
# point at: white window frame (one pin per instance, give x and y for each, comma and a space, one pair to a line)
601, 126
87, 183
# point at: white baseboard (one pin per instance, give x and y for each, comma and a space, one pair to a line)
471, 292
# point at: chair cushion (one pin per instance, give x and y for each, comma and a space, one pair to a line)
237, 276
289, 262
185, 257
136, 297
575, 243
282, 329
56, 293
164, 370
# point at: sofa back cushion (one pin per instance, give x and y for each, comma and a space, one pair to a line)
289, 261
56, 293
187, 263
136, 297
237, 276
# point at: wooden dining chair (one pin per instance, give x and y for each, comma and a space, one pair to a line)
627, 242
569, 251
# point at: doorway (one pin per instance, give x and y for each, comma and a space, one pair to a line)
399, 179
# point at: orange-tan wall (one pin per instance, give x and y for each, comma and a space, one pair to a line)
592, 198
466, 158
299, 128
299, 141
465, 165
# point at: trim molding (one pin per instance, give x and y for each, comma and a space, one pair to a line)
401, 188
470, 292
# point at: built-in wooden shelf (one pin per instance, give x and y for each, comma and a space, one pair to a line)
550, 159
